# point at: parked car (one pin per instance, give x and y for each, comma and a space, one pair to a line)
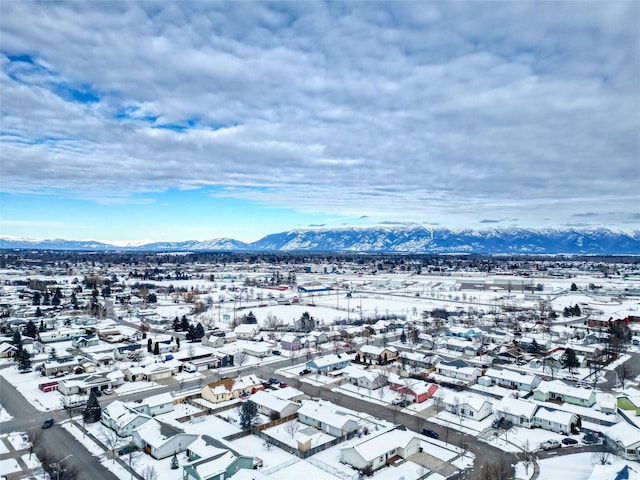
569, 441
550, 445
397, 401
274, 380
283, 385
107, 391
590, 438
502, 423
276, 352
305, 371
127, 449
429, 433
48, 423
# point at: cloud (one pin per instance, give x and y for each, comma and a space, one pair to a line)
446, 111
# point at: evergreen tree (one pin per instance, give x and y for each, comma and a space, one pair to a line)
46, 298
156, 349
74, 300
39, 312
185, 324
403, 337
30, 329
248, 414
152, 298
93, 411
55, 300
17, 340
250, 319
149, 342
574, 287
24, 361
199, 333
174, 462
53, 354
178, 343
36, 298
176, 326
191, 333
534, 347
569, 360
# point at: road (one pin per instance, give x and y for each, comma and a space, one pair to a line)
56, 440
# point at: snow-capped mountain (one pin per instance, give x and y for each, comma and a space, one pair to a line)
600, 241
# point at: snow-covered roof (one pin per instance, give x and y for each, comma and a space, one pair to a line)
511, 376
555, 416
371, 448
328, 360
625, 434
327, 414
564, 389
517, 407
270, 401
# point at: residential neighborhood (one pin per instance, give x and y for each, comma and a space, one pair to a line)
207, 370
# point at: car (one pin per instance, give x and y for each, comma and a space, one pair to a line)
98, 393
497, 423
107, 391
276, 352
127, 449
550, 445
427, 432
397, 401
48, 423
569, 441
590, 438
283, 385
305, 371
274, 380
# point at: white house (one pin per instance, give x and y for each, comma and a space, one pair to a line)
122, 419
373, 452
161, 440
369, 379
154, 405
626, 439
257, 349
273, 406
510, 379
464, 405
327, 417
556, 390
555, 420
518, 411
458, 370
246, 331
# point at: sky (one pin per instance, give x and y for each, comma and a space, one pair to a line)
161, 121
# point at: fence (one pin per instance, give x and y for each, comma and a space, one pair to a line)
303, 453
269, 471
333, 470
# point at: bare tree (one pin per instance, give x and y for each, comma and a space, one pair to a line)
240, 359
496, 470
526, 456
623, 372
602, 454
380, 381
149, 473
292, 427
110, 440
35, 439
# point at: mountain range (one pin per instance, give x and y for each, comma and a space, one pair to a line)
416, 239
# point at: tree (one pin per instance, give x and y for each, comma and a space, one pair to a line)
149, 473
403, 337
292, 427
307, 322
574, 287
156, 348
35, 438
149, 345
184, 325
248, 414
174, 462
92, 411
53, 354
30, 329
500, 469
624, 372
24, 361
110, 439
36, 298
17, 340
569, 360
250, 319
199, 332
240, 359
176, 325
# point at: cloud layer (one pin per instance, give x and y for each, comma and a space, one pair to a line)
451, 112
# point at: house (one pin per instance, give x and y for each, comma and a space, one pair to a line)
555, 420
625, 438
7, 350
368, 453
161, 440
327, 417
328, 363
290, 342
418, 360
230, 388
458, 370
369, 379
272, 406
257, 349
84, 341
629, 403
154, 405
615, 472
463, 332
83, 385
320, 337
246, 331
377, 355
66, 364
520, 412
469, 406
213, 341
560, 392
60, 335
209, 459
462, 346
418, 390
510, 379
122, 419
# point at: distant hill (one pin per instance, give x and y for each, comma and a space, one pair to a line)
600, 241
